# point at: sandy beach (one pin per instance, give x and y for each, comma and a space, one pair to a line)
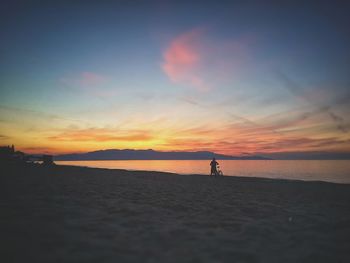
76, 214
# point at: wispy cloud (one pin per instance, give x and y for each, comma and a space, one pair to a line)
341, 125
317, 99
90, 78
25, 112
91, 83
4, 137
251, 144
237, 118
101, 135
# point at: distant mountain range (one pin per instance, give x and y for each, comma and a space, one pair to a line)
114, 154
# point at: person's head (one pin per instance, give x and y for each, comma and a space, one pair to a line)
213, 158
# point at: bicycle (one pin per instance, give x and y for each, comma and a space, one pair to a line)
218, 171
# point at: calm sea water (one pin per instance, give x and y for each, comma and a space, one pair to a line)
337, 171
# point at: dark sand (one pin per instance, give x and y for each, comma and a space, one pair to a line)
74, 214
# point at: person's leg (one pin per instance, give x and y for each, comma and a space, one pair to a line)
212, 171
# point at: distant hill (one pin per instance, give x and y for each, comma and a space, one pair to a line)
114, 154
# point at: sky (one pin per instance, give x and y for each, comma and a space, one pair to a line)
233, 77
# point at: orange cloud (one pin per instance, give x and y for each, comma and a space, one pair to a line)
101, 135
182, 60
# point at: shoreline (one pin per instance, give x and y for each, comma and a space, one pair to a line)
205, 175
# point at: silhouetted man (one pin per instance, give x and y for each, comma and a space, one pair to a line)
213, 165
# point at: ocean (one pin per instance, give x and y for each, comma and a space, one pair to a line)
337, 171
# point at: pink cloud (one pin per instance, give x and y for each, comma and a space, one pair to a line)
182, 59
194, 59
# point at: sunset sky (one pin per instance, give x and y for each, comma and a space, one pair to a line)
230, 77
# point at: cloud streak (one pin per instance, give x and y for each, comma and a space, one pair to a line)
91, 83
4, 137
250, 144
314, 100
101, 135
34, 113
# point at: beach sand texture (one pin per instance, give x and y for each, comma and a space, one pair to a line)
75, 214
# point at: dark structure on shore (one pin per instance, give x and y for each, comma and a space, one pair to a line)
8, 154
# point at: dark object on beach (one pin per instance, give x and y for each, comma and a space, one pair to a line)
47, 160
218, 171
215, 168
213, 165
8, 154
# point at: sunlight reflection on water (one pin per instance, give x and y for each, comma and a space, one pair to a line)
320, 170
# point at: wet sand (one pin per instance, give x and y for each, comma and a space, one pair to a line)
76, 214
